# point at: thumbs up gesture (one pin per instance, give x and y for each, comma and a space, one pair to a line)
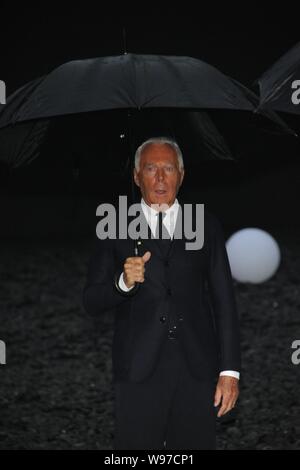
134, 269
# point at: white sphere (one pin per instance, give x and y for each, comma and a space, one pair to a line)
254, 255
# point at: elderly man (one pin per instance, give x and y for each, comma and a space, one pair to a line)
176, 352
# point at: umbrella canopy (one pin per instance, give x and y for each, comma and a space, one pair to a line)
280, 84
128, 81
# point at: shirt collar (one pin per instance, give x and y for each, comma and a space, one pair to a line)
169, 221
151, 211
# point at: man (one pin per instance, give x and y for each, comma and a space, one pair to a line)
176, 354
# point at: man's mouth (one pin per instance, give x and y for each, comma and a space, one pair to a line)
160, 192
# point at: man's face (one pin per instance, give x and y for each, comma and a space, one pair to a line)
159, 176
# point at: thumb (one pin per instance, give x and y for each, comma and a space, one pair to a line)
146, 256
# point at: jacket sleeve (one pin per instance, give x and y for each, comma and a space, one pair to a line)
102, 291
223, 300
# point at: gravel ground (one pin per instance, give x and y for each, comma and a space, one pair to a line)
56, 390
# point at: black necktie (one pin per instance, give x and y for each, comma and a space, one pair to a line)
161, 234
161, 231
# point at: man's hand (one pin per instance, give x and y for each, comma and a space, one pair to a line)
134, 269
227, 391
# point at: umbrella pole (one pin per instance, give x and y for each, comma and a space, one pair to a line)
131, 168
131, 159
124, 40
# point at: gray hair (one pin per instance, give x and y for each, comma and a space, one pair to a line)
161, 141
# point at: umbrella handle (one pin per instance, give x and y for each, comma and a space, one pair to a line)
136, 247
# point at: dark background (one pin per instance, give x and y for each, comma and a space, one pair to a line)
83, 160
56, 386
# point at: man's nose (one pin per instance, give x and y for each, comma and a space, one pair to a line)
160, 173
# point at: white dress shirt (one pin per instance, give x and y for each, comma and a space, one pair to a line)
169, 222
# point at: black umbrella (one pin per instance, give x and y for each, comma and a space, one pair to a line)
132, 82
126, 81
280, 85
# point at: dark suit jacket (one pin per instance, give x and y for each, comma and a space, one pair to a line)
194, 286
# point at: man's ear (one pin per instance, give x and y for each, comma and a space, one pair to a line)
136, 177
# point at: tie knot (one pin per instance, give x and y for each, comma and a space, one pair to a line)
161, 215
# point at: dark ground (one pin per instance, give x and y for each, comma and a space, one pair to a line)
56, 390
